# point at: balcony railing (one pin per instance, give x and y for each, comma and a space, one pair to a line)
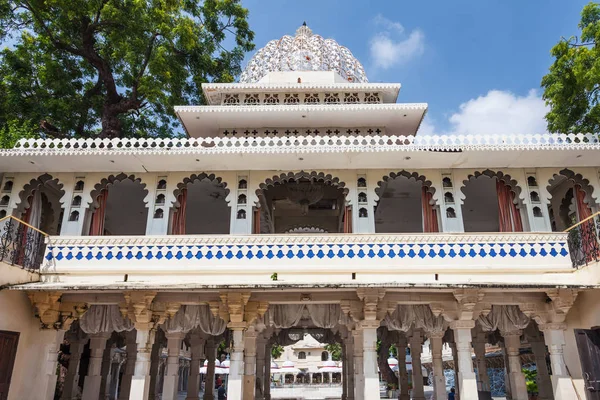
584, 241
21, 244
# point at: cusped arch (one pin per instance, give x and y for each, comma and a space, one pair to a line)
34, 184
303, 228
111, 180
576, 179
382, 184
295, 177
506, 178
200, 177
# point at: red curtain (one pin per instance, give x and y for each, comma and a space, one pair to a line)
348, 219
589, 243
508, 214
256, 221
583, 209
180, 214
430, 220
98, 217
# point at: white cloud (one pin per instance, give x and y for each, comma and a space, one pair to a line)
497, 112
391, 47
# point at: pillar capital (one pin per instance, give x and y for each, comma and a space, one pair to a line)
47, 308
462, 324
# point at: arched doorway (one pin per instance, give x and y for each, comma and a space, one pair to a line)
313, 201
201, 206
492, 203
40, 204
405, 204
117, 207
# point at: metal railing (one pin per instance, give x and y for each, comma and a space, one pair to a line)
21, 244
584, 241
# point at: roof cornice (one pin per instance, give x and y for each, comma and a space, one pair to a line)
300, 86
302, 107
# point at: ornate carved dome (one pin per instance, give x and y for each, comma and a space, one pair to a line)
303, 52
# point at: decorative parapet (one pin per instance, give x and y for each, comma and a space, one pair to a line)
263, 253
303, 144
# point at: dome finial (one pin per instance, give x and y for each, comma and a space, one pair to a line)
304, 30
304, 23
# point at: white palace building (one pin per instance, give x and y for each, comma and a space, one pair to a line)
303, 201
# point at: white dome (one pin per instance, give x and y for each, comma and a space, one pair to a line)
288, 364
303, 52
392, 361
330, 363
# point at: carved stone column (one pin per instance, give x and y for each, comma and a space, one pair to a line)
416, 347
455, 359
154, 364
209, 383
403, 393
439, 380
131, 351
466, 376
543, 375
359, 378
236, 367
512, 342
47, 382
554, 335
77, 342
250, 338
349, 365
105, 370
506, 372
483, 380
193, 391
91, 384
267, 385
172, 377
261, 344
140, 381
344, 374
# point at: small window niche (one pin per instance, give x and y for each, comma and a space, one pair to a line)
76, 201
450, 212
361, 183
2, 213
160, 200
8, 186
161, 185
537, 212
4, 201
534, 196
159, 213
362, 197
363, 213
242, 199
74, 216
531, 181
241, 214
79, 186
243, 184
449, 198
447, 182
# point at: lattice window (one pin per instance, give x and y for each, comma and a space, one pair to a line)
372, 98
231, 99
271, 99
332, 98
251, 99
351, 98
291, 99
311, 98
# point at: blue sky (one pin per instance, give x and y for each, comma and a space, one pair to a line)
478, 64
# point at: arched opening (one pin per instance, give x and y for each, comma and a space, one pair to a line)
491, 203
118, 207
201, 206
40, 204
302, 355
324, 356
405, 205
303, 200
571, 199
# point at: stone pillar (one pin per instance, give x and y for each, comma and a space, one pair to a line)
154, 363
72, 378
543, 376
359, 378
349, 365
261, 344
172, 377
46, 385
140, 381
249, 368
403, 393
113, 385
371, 376
439, 380
105, 370
267, 385
91, 384
344, 374
236, 366
193, 391
209, 383
554, 335
131, 351
416, 347
512, 342
483, 380
506, 372
466, 376
455, 359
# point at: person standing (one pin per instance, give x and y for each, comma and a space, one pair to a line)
222, 392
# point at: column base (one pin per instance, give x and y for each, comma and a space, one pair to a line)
140, 387
563, 387
468, 386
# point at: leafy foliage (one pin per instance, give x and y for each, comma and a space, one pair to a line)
572, 87
14, 130
335, 349
276, 351
530, 380
115, 68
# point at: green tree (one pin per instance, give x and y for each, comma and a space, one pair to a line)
14, 130
572, 86
276, 351
335, 349
115, 68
